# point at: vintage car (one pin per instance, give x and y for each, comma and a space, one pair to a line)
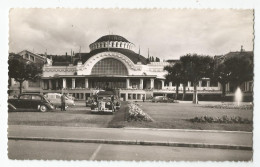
55, 99
162, 99
30, 102
104, 102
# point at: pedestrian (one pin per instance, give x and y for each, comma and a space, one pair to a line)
63, 102
143, 98
112, 98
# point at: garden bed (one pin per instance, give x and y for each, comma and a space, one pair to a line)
224, 119
231, 106
178, 115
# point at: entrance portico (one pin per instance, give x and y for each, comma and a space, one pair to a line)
98, 82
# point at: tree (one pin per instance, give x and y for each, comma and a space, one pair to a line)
236, 70
196, 68
174, 75
240, 69
22, 70
221, 75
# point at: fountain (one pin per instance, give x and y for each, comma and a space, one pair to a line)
238, 96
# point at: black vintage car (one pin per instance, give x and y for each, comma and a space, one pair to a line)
30, 102
104, 102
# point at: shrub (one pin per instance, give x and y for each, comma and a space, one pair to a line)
224, 119
135, 113
231, 106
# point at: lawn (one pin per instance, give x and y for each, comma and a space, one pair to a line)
164, 115
176, 116
79, 116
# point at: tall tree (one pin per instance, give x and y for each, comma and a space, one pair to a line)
240, 69
174, 75
22, 70
196, 68
234, 70
221, 75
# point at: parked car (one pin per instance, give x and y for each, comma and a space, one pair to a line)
55, 99
70, 96
30, 102
162, 99
104, 102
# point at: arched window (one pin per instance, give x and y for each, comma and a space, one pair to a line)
109, 66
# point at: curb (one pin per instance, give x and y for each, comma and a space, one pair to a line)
135, 142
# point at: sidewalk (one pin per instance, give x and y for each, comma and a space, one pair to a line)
167, 137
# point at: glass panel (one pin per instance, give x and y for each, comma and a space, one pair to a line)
109, 66
25, 97
35, 97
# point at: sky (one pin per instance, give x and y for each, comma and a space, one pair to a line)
168, 33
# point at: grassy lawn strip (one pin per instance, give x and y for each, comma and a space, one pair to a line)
177, 116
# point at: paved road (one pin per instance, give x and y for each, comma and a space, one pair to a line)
89, 151
167, 135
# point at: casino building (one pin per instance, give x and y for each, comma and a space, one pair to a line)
112, 63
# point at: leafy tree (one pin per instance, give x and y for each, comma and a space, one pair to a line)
236, 70
197, 67
174, 75
22, 70
184, 80
240, 69
221, 75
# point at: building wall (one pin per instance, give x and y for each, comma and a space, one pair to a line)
32, 57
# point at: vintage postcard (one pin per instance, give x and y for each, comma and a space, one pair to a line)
131, 84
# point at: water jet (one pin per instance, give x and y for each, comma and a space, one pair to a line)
238, 96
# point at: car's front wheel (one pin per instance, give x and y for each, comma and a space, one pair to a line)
43, 108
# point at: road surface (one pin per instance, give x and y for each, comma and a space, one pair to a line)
164, 135
19, 149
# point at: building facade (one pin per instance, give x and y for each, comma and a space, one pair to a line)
112, 64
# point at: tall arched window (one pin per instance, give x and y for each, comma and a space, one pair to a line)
109, 66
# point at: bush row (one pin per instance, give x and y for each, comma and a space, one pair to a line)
135, 113
231, 106
223, 119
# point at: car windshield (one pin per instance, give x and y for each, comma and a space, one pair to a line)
104, 98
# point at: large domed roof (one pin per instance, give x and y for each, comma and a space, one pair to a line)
112, 38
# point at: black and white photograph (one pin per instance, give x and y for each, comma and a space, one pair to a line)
131, 84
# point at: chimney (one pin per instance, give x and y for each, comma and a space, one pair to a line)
241, 48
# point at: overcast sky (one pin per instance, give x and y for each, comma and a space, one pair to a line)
168, 34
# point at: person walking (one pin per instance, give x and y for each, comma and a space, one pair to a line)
63, 102
143, 98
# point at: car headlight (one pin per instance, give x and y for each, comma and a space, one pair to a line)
95, 103
108, 103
